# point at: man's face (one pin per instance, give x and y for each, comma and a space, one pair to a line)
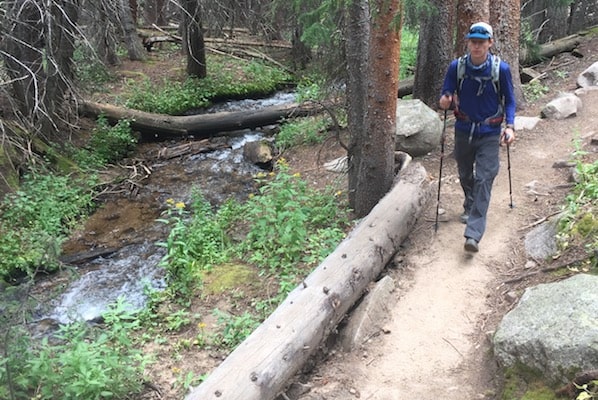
479, 47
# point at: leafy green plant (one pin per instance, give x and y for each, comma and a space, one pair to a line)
311, 87
79, 363
189, 380
308, 130
283, 218
234, 328
37, 218
90, 71
197, 241
588, 391
579, 223
534, 90
112, 143
178, 319
172, 98
409, 43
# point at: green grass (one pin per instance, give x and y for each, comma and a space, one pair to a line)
226, 80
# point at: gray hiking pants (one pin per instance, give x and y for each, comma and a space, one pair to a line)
478, 163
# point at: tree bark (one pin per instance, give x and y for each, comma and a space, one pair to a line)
469, 12
375, 168
505, 18
193, 39
433, 52
134, 46
101, 31
37, 48
261, 366
357, 48
160, 126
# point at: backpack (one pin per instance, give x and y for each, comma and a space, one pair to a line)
494, 76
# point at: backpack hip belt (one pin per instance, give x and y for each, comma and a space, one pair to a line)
495, 120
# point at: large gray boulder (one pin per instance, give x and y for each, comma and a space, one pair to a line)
564, 106
541, 242
418, 128
589, 77
553, 329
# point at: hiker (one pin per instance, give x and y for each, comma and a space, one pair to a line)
479, 88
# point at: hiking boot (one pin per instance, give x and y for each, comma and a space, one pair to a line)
464, 218
471, 245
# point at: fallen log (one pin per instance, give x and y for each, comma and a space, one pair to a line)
406, 86
550, 49
190, 148
261, 366
162, 126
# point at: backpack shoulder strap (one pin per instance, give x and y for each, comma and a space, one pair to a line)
495, 68
462, 61
495, 74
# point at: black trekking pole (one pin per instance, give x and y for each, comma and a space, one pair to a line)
440, 173
509, 170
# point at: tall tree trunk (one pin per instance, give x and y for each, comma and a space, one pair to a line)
556, 22
193, 39
375, 169
133, 6
433, 52
154, 12
469, 12
135, 49
37, 50
357, 48
23, 51
505, 18
102, 30
300, 53
583, 15
60, 74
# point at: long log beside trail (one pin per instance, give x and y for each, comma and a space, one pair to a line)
202, 125
261, 366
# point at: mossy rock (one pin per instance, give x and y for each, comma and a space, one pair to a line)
225, 277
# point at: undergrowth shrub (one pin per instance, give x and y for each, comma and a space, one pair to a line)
112, 143
80, 362
196, 242
37, 218
579, 224
289, 223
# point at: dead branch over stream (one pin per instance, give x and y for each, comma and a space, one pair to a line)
161, 126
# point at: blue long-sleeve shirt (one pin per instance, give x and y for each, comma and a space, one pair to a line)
480, 107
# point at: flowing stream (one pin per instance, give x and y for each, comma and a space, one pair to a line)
127, 224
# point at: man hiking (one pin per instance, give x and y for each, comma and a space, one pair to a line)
478, 86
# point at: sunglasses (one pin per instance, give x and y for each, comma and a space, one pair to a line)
480, 30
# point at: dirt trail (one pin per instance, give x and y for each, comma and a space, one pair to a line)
448, 302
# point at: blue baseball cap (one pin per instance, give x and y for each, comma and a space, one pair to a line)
479, 30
